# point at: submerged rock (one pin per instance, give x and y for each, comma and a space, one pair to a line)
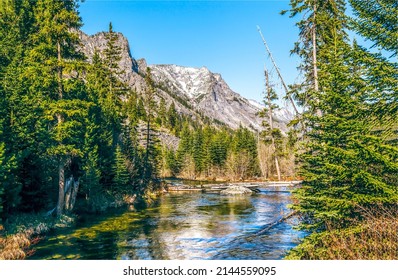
236, 190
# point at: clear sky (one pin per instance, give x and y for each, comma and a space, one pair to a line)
220, 35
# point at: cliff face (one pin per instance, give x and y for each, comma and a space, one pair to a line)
193, 90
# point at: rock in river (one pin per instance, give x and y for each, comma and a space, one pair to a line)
235, 190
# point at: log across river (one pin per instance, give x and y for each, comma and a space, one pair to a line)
183, 225
277, 186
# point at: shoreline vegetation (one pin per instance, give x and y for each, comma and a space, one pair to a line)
75, 136
375, 237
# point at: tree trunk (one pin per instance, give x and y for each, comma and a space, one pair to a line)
314, 60
74, 191
61, 188
278, 171
61, 164
68, 191
271, 124
279, 73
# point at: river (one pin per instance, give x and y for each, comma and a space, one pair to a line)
185, 225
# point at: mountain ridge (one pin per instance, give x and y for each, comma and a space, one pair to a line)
194, 91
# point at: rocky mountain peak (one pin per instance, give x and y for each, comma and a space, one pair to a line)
192, 90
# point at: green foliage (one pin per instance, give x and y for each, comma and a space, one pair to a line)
122, 177
244, 141
346, 162
172, 117
161, 116
59, 113
172, 162
151, 160
198, 150
204, 152
185, 145
374, 238
377, 21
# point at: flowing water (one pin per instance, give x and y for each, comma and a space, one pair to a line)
182, 225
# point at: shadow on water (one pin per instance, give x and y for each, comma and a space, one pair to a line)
181, 226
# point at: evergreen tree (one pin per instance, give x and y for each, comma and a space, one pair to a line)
9, 186
106, 89
185, 146
112, 101
54, 47
19, 124
244, 148
377, 21
198, 150
320, 18
270, 134
122, 177
161, 116
171, 162
172, 117
206, 153
346, 165
2, 175
218, 149
112, 56
151, 149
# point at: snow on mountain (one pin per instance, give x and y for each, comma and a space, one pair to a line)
189, 81
256, 104
194, 91
208, 93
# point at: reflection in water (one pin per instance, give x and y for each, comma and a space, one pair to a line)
181, 226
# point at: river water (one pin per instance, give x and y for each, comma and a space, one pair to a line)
186, 225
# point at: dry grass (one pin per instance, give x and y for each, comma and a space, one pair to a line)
13, 247
24, 230
374, 238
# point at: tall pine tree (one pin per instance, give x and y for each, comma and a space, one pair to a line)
53, 55
345, 165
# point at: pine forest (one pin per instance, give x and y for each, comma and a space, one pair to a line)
83, 135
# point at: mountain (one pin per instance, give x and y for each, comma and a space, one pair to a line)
196, 92
208, 93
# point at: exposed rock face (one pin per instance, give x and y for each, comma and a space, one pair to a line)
98, 42
194, 91
208, 93
236, 190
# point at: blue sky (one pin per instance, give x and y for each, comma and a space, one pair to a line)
220, 35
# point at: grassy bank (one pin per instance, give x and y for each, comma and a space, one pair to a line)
24, 230
373, 238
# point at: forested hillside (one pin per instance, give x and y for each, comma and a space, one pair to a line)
85, 125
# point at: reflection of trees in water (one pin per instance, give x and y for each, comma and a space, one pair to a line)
89, 245
180, 226
180, 222
102, 247
144, 242
273, 243
144, 239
